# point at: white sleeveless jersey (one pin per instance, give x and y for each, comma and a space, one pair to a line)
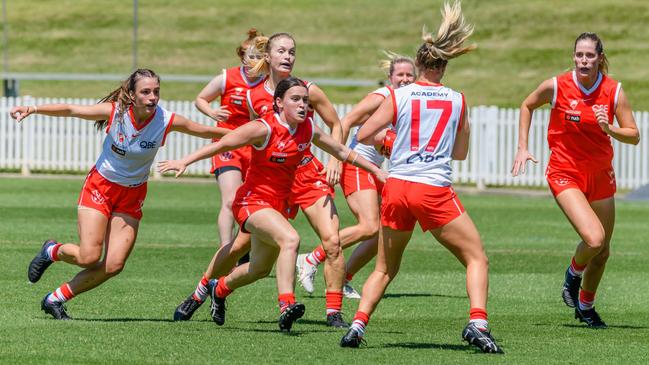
369, 152
128, 151
426, 120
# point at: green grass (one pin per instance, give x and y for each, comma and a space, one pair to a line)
520, 43
127, 320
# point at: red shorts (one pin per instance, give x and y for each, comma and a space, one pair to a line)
108, 197
355, 179
238, 159
246, 203
405, 202
596, 185
308, 187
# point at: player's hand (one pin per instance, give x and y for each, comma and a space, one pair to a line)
332, 171
602, 120
382, 176
19, 113
172, 165
520, 161
221, 114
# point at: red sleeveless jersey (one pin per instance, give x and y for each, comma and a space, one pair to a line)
273, 165
260, 101
574, 136
236, 86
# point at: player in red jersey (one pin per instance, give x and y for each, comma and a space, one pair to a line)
231, 86
580, 173
361, 189
311, 190
432, 128
280, 140
110, 202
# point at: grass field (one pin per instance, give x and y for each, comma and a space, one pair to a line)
128, 320
520, 43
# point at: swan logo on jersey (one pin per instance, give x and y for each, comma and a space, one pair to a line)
280, 145
238, 90
264, 109
303, 146
574, 103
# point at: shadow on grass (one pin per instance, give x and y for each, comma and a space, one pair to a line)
406, 295
619, 326
424, 345
108, 320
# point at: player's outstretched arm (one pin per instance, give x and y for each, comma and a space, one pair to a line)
250, 133
184, 125
88, 112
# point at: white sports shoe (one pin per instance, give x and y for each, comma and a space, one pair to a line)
305, 273
349, 292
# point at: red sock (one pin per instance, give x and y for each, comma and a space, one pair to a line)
349, 276
477, 313
55, 252
285, 300
361, 319
201, 292
61, 294
586, 299
222, 290
334, 300
575, 268
316, 256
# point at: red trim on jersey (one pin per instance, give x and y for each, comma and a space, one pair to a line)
146, 122
394, 107
424, 83
171, 122
414, 124
110, 119
459, 124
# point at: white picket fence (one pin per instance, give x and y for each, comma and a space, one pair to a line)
44, 143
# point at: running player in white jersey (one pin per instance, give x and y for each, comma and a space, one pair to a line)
361, 189
432, 128
110, 203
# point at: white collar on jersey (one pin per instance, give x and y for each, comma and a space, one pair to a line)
285, 125
582, 88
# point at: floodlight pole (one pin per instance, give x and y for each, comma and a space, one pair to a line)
134, 34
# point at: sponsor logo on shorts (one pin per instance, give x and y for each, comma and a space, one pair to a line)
96, 197
611, 176
562, 181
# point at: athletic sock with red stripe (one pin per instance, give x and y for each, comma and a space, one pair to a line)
334, 301
222, 290
61, 294
361, 319
316, 256
575, 269
285, 300
202, 291
586, 299
53, 252
478, 316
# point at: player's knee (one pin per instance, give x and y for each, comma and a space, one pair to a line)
260, 272
369, 229
290, 241
113, 268
594, 238
333, 250
89, 259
